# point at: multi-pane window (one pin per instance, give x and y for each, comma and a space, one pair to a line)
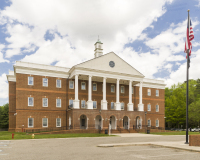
83, 87
149, 107
157, 93
94, 104
30, 101
122, 89
58, 83
30, 122
122, 106
44, 122
45, 102
58, 122
132, 90
94, 87
157, 123
157, 108
112, 105
149, 123
30, 80
71, 103
71, 84
82, 103
112, 88
45, 82
148, 92
58, 102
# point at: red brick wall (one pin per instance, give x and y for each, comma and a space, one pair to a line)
12, 105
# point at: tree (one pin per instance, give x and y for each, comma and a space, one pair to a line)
4, 116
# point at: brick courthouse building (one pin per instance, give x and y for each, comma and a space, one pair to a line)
89, 95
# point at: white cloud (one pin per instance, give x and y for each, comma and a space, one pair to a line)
198, 4
4, 86
2, 46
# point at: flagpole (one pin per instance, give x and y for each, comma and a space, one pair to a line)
187, 86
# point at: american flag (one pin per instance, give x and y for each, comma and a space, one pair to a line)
189, 38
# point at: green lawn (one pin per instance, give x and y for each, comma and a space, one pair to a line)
176, 133
5, 135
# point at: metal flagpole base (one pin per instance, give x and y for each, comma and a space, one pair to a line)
186, 143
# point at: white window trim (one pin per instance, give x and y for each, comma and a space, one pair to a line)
93, 88
148, 107
111, 88
121, 89
148, 92
69, 84
28, 102
81, 104
43, 102
56, 122
81, 86
28, 81
96, 105
57, 83
158, 122
47, 123
158, 108
29, 125
147, 123
121, 106
158, 93
43, 82
57, 103
111, 105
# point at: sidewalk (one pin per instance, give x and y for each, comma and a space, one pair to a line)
176, 145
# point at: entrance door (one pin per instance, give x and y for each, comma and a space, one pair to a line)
83, 123
125, 122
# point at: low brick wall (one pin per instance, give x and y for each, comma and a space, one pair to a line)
194, 140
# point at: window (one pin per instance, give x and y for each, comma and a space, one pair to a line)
45, 82
112, 88
45, 102
30, 101
149, 123
157, 123
30, 122
58, 102
82, 103
149, 107
71, 103
58, 122
122, 106
122, 89
58, 83
94, 87
157, 93
112, 105
149, 92
94, 104
30, 80
157, 108
132, 90
83, 85
71, 84
44, 122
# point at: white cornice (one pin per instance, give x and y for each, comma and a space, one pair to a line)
11, 77
153, 83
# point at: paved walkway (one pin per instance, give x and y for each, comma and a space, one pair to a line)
176, 145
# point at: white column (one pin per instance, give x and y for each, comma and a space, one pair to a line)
117, 104
89, 102
140, 105
76, 101
104, 101
130, 104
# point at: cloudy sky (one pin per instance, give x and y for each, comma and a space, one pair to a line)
148, 34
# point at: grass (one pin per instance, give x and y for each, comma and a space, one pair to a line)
175, 133
5, 135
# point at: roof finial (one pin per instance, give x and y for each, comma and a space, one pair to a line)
98, 38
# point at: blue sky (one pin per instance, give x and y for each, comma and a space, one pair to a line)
149, 35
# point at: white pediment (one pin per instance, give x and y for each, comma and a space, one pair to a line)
102, 64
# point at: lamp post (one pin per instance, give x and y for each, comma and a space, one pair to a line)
145, 113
